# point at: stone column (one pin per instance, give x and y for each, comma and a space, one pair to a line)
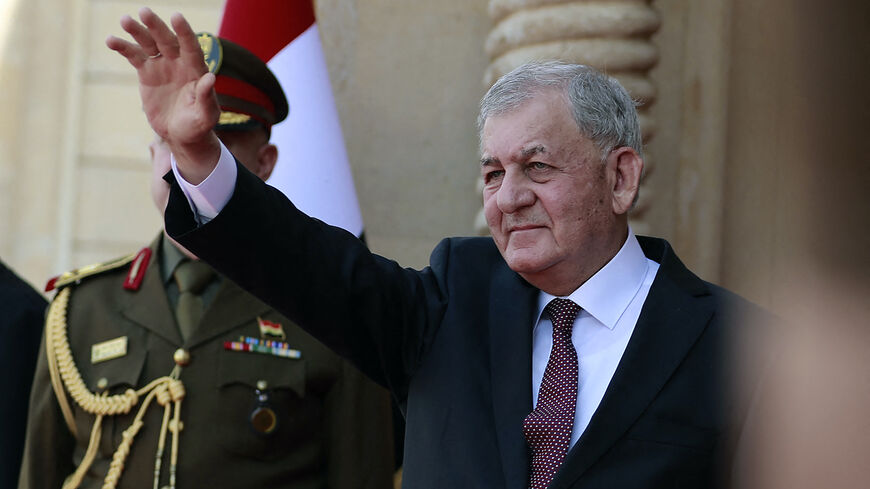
611, 35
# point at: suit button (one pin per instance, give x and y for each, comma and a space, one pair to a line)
181, 357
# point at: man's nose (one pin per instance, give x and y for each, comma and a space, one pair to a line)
514, 194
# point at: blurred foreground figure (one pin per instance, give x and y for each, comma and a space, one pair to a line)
159, 372
809, 426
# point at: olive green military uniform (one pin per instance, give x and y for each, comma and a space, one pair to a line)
332, 425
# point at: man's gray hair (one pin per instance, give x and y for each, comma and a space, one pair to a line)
603, 110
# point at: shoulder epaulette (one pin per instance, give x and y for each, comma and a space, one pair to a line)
73, 276
137, 270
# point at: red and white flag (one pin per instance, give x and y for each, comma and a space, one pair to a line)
312, 169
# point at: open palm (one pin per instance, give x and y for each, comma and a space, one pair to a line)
174, 84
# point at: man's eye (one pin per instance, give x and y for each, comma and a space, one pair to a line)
493, 175
537, 165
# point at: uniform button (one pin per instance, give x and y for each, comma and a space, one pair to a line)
262, 385
181, 357
102, 383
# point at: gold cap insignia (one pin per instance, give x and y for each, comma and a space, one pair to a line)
212, 51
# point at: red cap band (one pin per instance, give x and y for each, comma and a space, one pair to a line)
234, 87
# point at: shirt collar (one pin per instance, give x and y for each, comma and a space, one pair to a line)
607, 294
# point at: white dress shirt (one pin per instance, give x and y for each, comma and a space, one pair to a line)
611, 301
212, 194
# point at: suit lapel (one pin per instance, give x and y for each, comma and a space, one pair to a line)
673, 317
230, 308
512, 307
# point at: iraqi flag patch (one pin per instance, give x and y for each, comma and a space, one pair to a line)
269, 329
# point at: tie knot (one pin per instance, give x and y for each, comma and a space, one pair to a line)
192, 276
562, 313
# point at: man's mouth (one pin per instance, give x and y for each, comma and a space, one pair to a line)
523, 227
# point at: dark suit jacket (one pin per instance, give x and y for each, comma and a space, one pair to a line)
453, 342
21, 312
333, 424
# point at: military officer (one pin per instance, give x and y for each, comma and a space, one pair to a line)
156, 372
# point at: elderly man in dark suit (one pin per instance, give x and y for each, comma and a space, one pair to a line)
562, 352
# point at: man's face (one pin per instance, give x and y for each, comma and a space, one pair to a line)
546, 195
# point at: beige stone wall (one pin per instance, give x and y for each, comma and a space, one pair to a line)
75, 166
407, 79
690, 112
30, 139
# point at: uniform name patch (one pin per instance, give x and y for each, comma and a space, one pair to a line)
108, 350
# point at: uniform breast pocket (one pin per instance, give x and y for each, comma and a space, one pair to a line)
263, 409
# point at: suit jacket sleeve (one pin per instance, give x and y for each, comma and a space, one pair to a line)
365, 307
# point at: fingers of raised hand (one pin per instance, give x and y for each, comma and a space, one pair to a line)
187, 42
132, 51
142, 49
165, 40
141, 35
153, 39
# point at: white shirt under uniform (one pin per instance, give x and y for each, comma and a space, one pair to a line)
611, 301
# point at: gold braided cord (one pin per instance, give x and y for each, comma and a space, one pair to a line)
75, 479
57, 316
120, 455
167, 390
176, 428
72, 379
162, 394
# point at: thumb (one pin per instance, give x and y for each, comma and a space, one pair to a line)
205, 95
204, 85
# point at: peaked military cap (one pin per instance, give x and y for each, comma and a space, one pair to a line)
248, 92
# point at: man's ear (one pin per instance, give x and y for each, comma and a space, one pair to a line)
627, 167
267, 156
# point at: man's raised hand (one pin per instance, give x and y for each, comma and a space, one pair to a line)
176, 88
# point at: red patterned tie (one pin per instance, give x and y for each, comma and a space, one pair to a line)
548, 427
